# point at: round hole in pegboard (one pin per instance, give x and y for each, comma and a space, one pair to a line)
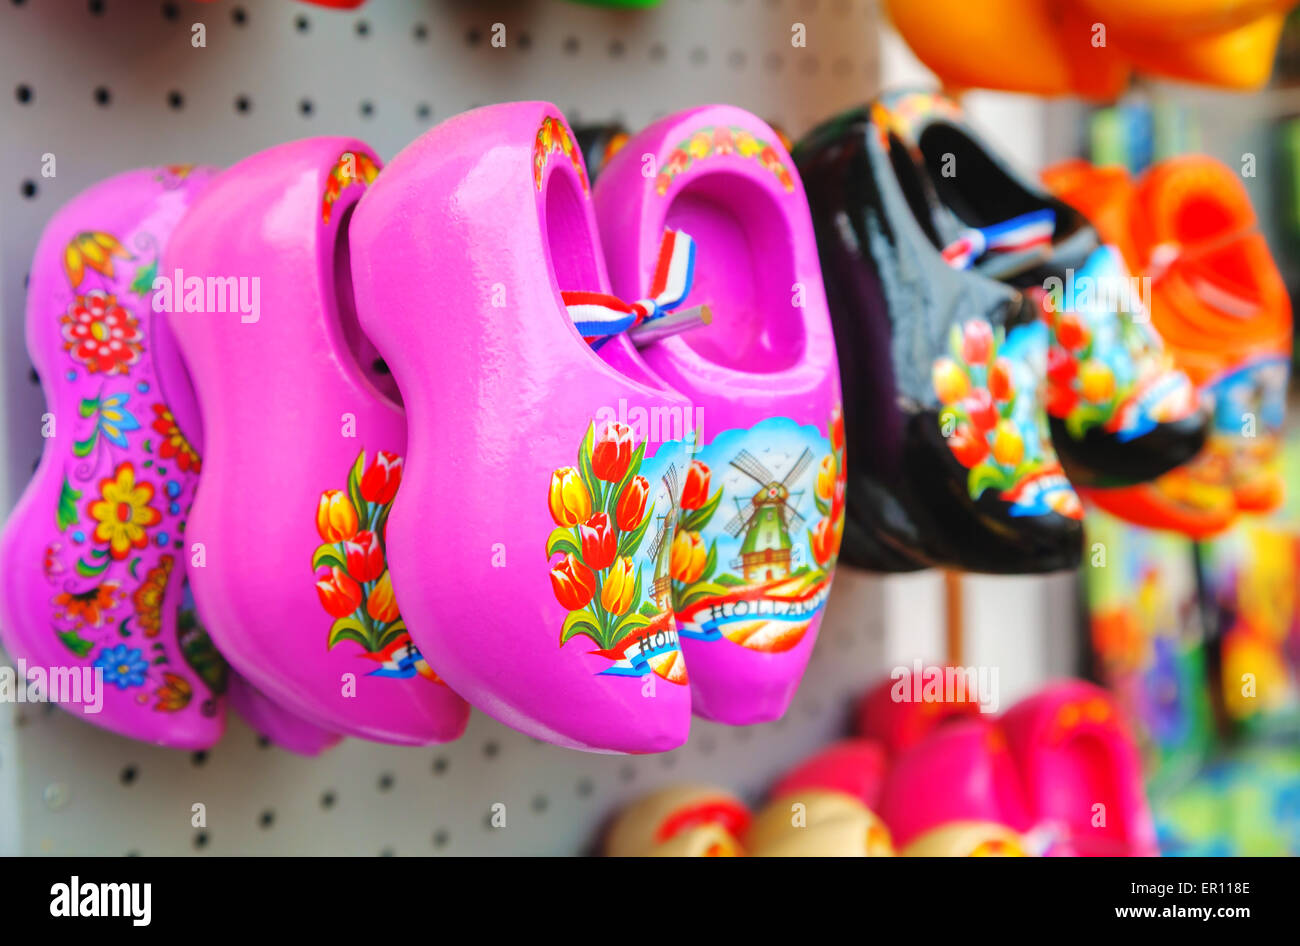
541, 803
103, 97
305, 108
24, 94
585, 787
263, 742
699, 56
198, 758
170, 11
128, 775
473, 36
243, 104
175, 99
266, 819
328, 800
386, 781
627, 773
367, 109
132, 853
200, 840
420, 32
571, 45
423, 111
617, 49
96, 7
387, 852
363, 28
441, 838
301, 23
809, 65
658, 52
736, 59
440, 765
706, 744
524, 40
239, 16
491, 749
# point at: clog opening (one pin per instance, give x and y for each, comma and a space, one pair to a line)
970, 183
568, 234
744, 271
365, 355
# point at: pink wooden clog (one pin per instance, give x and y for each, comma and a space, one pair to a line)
303, 449
94, 555
763, 502
530, 543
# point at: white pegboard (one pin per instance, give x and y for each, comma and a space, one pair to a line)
108, 85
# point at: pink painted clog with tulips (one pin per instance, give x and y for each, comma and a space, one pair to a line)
93, 557
762, 505
304, 449
531, 540
1059, 770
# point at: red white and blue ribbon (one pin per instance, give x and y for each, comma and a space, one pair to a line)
1019, 233
598, 315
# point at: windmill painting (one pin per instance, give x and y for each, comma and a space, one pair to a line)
767, 518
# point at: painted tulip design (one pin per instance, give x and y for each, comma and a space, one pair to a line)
570, 500
630, 511
601, 516
695, 492
355, 589
687, 557
336, 517
599, 542
989, 424
573, 582
612, 452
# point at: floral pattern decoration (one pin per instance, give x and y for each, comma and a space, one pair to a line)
553, 136
991, 418
352, 167
601, 518
351, 564
715, 141
121, 500
101, 334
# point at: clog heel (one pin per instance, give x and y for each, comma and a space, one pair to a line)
304, 450
531, 540
94, 555
763, 501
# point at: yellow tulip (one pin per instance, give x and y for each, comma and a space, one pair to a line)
381, 604
336, 519
569, 500
826, 478
1008, 447
687, 557
616, 595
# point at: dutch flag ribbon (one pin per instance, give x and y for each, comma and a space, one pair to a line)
1018, 233
599, 315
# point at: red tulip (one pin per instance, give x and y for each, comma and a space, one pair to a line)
338, 593
630, 509
1000, 384
1070, 331
1061, 366
696, 491
968, 446
380, 481
979, 405
365, 557
612, 453
573, 582
837, 430
825, 541
976, 342
599, 542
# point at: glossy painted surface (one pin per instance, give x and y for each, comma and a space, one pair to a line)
1040, 771
817, 823
680, 821
493, 205
283, 728
287, 413
768, 357
93, 556
916, 340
